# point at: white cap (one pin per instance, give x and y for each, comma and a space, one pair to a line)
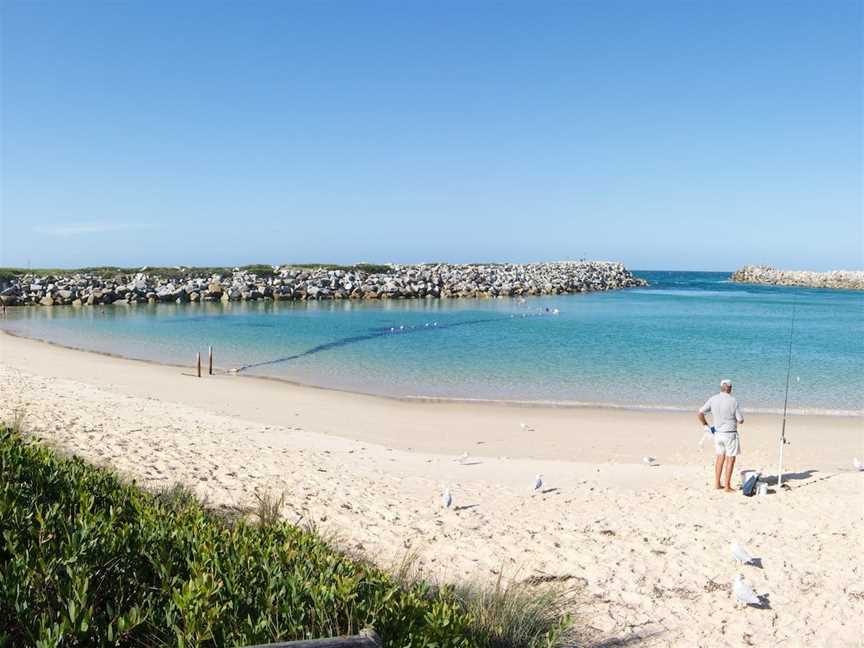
725, 383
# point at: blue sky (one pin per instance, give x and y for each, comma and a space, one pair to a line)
699, 135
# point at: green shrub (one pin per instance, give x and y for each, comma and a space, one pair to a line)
259, 269
7, 275
373, 268
87, 560
369, 268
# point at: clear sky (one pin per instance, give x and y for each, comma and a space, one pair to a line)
667, 135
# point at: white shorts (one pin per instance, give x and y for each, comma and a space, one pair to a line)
726, 443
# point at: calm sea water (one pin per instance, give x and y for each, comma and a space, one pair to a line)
667, 345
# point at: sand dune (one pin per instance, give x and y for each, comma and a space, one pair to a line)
648, 547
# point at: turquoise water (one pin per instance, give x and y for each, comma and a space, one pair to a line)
666, 345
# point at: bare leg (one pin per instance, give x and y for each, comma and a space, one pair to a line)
718, 470
730, 464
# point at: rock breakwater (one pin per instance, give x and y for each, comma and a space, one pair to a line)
838, 279
435, 281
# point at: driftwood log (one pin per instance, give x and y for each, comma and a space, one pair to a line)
366, 639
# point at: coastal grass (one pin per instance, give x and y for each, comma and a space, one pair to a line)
268, 508
518, 614
89, 560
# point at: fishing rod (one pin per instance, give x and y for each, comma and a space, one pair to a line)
783, 441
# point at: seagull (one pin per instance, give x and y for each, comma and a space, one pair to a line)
744, 594
740, 553
524, 426
538, 482
650, 461
858, 464
462, 458
446, 498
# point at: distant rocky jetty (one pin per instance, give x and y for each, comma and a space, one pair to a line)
303, 283
842, 279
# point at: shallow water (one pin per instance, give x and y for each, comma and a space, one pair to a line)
666, 345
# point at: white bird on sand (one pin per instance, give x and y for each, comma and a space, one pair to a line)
650, 461
461, 458
858, 464
740, 553
744, 594
538, 482
524, 426
446, 498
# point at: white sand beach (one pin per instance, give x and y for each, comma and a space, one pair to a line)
647, 547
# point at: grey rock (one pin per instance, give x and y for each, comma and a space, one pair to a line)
766, 275
423, 281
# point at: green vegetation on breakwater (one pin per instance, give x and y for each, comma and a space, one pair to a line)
168, 272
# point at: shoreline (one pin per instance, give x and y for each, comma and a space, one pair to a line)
440, 427
646, 547
419, 398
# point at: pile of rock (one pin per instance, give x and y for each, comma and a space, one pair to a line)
842, 279
291, 283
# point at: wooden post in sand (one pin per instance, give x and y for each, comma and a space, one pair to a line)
210, 360
198, 362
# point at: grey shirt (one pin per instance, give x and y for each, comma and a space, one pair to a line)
727, 414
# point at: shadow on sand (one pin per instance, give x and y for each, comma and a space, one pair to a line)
764, 603
466, 507
630, 640
771, 480
809, 477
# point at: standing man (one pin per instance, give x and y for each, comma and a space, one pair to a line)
727, 417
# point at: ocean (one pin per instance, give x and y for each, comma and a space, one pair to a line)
663, 346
